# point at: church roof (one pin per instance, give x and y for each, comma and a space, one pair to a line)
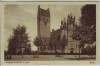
55, 35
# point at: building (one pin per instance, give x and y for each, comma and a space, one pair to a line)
66, 30
43, 27
58, 40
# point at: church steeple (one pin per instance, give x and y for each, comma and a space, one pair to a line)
48, 9
38, 6
38, 10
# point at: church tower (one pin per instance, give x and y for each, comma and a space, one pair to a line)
43, 23
43, 28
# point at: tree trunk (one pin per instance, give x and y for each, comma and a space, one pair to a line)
61, 50
10, 55
79, 53
55, 50
91, 53
38, 52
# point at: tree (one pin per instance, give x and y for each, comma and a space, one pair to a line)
18, 40
86, 31
27, 50
38, 43
77, 36
88, 17
88, 23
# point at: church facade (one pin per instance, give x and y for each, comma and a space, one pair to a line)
66, 29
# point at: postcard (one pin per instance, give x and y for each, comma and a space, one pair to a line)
49, 33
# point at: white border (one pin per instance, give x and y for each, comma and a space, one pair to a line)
50, 0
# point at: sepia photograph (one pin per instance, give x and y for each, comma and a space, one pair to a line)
50, 32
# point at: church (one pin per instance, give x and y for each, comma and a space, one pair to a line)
59, 40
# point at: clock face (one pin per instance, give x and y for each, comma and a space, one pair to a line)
45, 22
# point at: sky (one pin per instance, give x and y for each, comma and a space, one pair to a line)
26, 14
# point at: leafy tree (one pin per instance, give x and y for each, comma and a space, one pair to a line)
77, 36
88, 23
86, 31
38, 43
18, 40
88, 17
27, 50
